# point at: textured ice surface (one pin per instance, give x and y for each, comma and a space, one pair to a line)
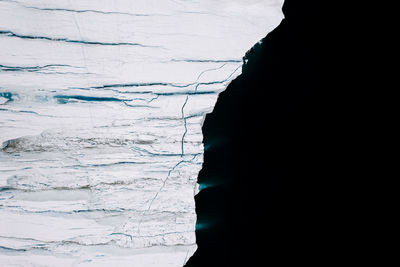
101, 105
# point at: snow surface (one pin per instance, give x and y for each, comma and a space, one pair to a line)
101, 106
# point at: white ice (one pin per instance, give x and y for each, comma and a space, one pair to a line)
101, 106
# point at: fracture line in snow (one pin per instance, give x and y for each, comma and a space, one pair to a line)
120, 85
150, 236
195, 91
162, 187
184, 124
55, 9
207, 60
66, 40
91, 11
32, 68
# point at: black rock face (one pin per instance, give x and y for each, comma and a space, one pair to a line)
270, 155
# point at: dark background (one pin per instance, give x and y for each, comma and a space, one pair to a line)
279, 149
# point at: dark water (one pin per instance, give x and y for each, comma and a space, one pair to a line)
267, 155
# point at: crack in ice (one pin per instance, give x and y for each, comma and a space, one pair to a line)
66, 40
32, 68
162, 187
195, 91
208, 60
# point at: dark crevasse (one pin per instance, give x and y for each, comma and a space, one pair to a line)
269, 158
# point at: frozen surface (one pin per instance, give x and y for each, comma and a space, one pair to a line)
101, 105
